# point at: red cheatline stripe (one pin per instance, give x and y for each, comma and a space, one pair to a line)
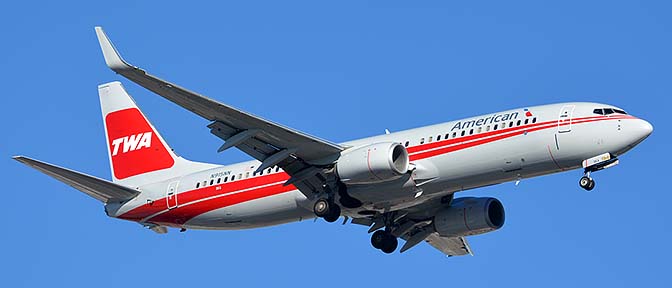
426, 146
184, 213
183, 198
188, 209
450, 146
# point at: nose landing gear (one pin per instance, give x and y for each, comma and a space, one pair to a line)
596, 163
586, 182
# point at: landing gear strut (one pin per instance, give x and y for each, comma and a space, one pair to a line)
384, 241
327, 209
586, 182
597, 163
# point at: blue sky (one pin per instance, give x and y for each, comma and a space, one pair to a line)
339, 70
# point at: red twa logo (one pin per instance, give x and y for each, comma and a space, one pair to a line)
131, 143
134, 146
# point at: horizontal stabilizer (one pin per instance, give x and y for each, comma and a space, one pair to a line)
97, 188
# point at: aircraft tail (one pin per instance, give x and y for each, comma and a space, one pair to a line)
137, 152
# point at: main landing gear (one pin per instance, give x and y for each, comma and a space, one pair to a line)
327, 209
385, 241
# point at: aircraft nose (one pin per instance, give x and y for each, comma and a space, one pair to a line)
643, 129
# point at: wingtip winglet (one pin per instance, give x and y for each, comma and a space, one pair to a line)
23, 159
112, 57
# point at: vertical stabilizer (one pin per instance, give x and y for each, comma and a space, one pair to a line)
137, 152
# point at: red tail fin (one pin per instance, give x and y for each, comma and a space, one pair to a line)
138, 154
135, 147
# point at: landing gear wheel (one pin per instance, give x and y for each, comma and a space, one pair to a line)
322, 207
378, 239
587, 183
390, 244
384, 241
591, 185
334, 213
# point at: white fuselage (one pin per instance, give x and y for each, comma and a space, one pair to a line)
447, 158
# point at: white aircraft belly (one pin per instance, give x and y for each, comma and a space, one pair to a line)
267, 211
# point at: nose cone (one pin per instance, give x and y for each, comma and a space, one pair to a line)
638, 131
644, 129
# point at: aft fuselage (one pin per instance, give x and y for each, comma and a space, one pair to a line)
447, 158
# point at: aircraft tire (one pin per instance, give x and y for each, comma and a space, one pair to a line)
584, 182
322, 207
334, 213
591, 185
390, 244
378, 239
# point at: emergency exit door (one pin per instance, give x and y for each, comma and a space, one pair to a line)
565, 119
171, 195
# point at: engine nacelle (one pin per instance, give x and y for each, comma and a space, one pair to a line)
373, 163
469, 216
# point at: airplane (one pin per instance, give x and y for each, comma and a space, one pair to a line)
400, 185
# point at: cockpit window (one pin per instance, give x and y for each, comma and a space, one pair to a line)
607, 111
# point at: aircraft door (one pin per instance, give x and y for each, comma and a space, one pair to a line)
171, 195
565, 119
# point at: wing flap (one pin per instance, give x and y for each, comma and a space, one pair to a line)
451, 246
97, 188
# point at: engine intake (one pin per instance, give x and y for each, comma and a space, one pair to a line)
469, 216
373, 163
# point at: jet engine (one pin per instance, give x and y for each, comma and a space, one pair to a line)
469, 216
375, 163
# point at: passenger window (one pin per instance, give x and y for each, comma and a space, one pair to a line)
526, 121
270, 170
454, 134
495, 128
406, 144
479, 129
198, 184
471, 132
277, 168
247, 175
233, 177
422, 140
219, 180
205, 183
438, 137
430, 139
462, 134
518, 123
226, 179
534, 120
598, 111
212, 181
446, 137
